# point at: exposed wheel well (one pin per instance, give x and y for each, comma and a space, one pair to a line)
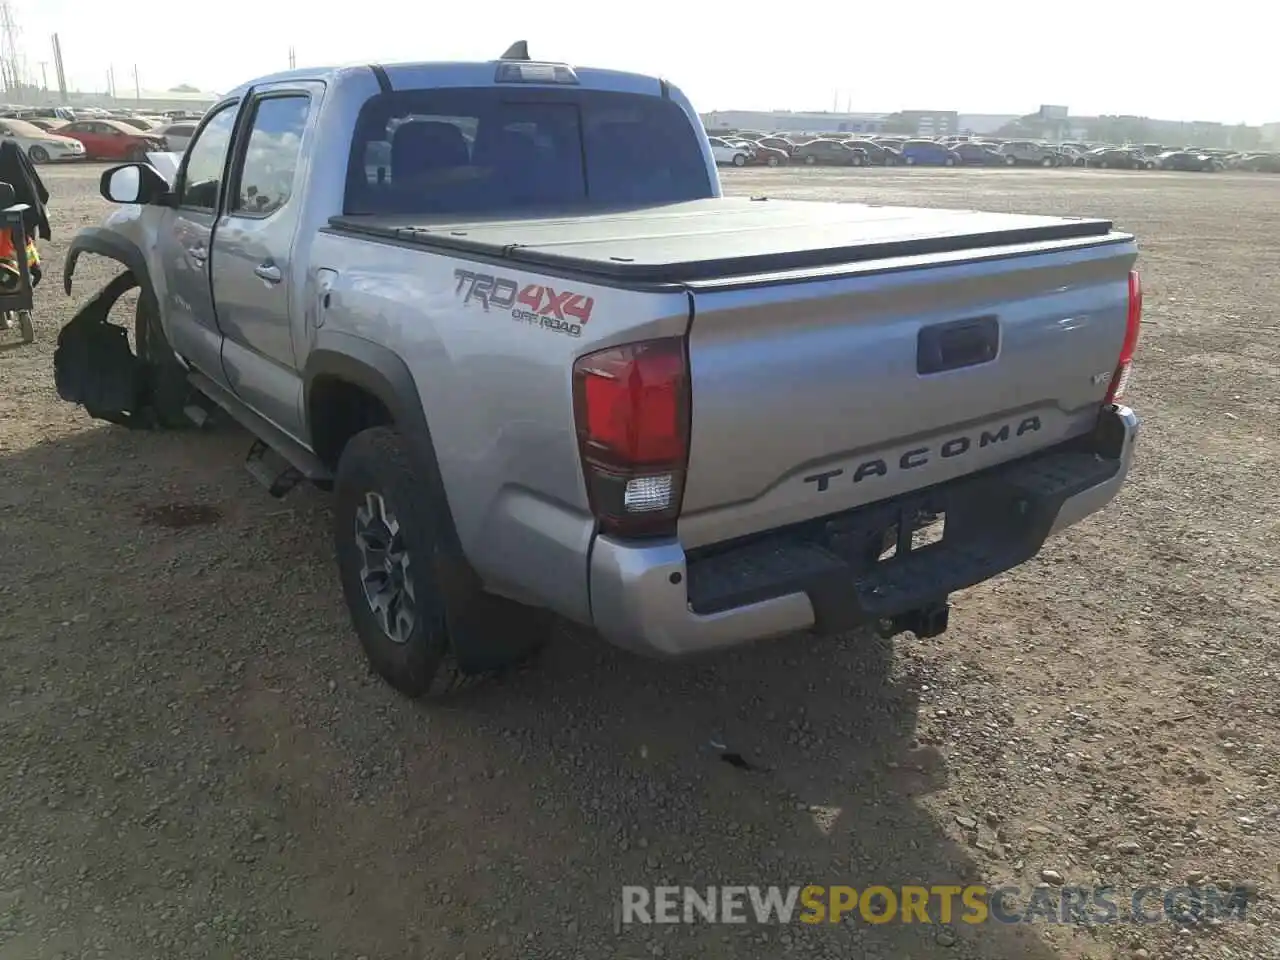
337, 410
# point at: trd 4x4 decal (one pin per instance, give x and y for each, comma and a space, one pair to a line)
562, 311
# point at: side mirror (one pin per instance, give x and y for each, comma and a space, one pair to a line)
134, 183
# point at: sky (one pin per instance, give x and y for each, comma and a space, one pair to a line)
1165, 60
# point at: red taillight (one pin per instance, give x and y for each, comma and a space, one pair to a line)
1133, 323
631, 404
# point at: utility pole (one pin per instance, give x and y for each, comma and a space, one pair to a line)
44, 76
57, 69
293, 59
10, 62
111, 82
137, 87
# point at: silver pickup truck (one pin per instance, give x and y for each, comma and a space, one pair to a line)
504, 311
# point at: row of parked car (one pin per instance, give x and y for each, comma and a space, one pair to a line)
46, 134
854, 151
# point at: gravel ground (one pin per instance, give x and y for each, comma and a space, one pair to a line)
195, 762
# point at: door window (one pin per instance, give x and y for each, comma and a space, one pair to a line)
271, 157
206, 159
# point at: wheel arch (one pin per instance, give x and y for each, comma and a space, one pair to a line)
349, 362
108, 243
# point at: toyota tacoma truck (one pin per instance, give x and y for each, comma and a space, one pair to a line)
504, 312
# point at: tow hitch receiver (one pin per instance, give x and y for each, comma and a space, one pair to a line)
925, 622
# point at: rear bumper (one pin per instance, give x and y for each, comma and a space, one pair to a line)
656, 600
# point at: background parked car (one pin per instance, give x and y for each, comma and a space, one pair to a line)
48, 124
726, 153
1260, 163
40, 146
831, 152
176, 135
878, 153
1118, 158
139, 123
976, 154
769, 156
778, 143
1182, 160
928, 153
1017, 152
113, 140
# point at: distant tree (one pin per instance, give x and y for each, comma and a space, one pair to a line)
184, 88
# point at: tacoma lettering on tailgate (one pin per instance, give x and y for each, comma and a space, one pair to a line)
561, 311
919, 456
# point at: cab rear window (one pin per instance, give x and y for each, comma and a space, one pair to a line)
484, 151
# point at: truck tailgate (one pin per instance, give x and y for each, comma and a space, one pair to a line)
817, 393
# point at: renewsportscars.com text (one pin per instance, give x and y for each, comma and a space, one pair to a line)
972, 904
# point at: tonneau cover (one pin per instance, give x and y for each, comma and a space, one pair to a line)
723, 237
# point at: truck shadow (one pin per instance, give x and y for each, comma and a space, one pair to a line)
514, 814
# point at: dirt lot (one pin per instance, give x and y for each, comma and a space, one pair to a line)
195, 763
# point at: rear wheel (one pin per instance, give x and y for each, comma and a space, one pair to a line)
772, 161
1010, 161
810, 159
949, 162
38, 155
909, 160
739, 160
1047, 162
412, 599
26, 327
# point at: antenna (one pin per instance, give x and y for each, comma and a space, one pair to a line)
517, 51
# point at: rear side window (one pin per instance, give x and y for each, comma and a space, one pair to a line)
265, 182
490, 150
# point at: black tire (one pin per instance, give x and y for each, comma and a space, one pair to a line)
949, 162
25, 326
772, 161
1010, 161
170, 390
449, 607
739, 159
810, 159
1047, 162
38, 155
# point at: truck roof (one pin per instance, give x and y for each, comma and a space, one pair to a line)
404, 76
709, 239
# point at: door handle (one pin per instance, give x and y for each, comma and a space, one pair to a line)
268, 272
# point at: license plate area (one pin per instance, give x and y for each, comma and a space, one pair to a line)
888, 533
915, 530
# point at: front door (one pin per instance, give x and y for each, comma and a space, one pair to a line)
256, 280
186, 302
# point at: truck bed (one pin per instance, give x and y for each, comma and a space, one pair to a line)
719, 238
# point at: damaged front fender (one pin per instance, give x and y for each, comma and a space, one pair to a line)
113, 240
93, 365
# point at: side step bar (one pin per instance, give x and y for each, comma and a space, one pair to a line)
275, 460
